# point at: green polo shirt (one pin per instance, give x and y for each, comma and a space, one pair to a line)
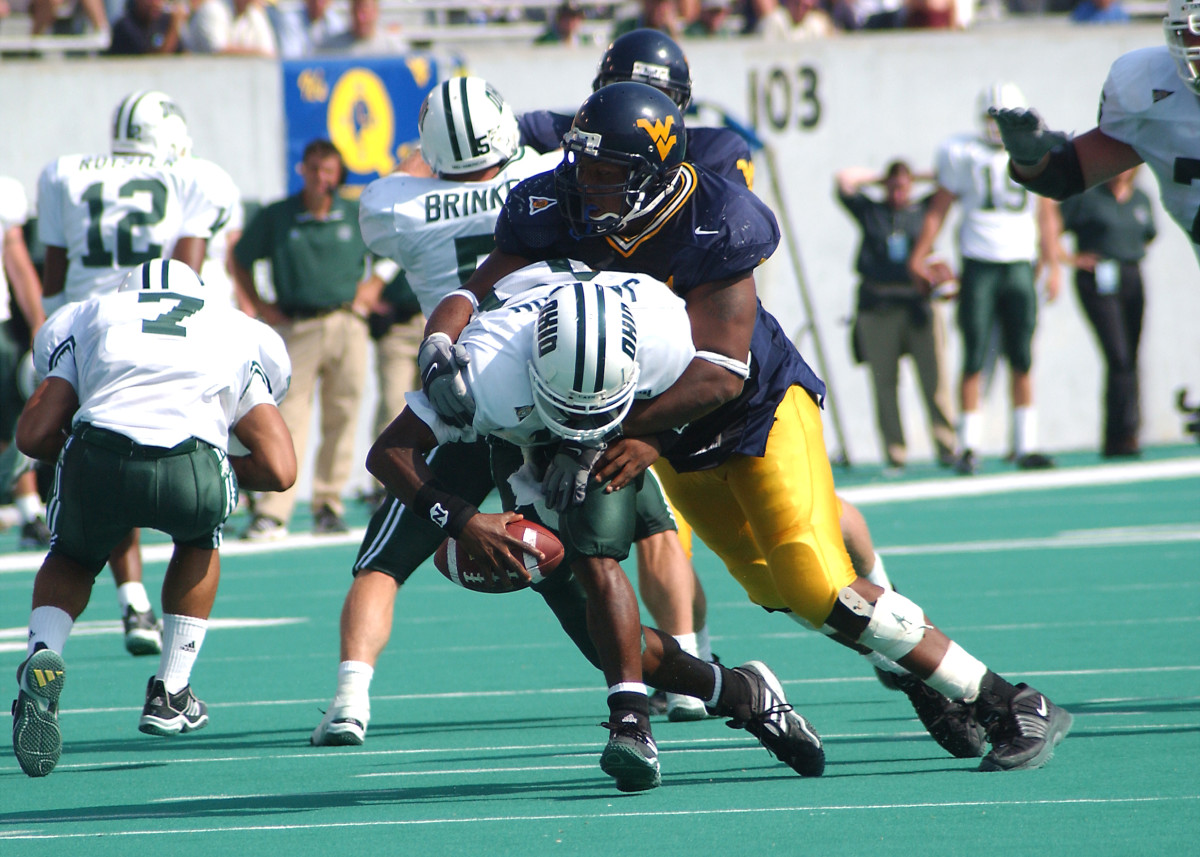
315, 263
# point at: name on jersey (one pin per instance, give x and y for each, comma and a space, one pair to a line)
448, 205
102, 162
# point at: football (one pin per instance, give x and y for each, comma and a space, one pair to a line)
460, 568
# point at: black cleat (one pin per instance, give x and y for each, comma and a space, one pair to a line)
1034, 461
787, 736
952, 724
631, 757
37, 741
1025, 732
143, 632
171, 713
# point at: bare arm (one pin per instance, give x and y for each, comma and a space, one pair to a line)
45, 423
23, 278
1049, 233
723, 315
851, 180
253, 305
935, 216
452, 314
1100, 157
271, 464
54, 271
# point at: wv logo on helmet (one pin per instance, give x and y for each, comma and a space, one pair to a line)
660, 132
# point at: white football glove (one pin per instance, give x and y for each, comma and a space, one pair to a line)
1025, 135
441, 362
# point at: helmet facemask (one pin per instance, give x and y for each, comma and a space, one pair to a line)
601, 208
1183, 20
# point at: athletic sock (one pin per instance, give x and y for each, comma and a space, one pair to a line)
183, 636
703, 644
688, 643
629, 699
50, 626
878, 575
970, 430
29, 507
1025, 430
133, 594
354, 688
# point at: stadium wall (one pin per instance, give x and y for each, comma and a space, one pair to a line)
820, 106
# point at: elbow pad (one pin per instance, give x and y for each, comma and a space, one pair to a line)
1062, 177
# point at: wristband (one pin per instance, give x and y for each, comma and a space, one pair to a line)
448, 511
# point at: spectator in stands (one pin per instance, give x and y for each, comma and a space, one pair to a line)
365, 37
63, 16
1113, 222
790, 20
868, 14
251, 33
1100, 12
930, 14
711, 21
567, 26
894, 317
303, 32
661, 15
207, 30
149, 27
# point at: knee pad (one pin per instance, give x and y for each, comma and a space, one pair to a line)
895, 624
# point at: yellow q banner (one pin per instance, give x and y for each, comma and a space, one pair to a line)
366, 106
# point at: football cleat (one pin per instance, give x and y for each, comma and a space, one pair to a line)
1024, 732
787, 736
171, 713
339, 729
683, 709
143, 632
631, 757
948, 722
37, 740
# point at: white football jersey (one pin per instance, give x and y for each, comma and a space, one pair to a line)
159, 367
439, 230
1145, 105
113, 212
500, 344
214, 272
14, 211
999, 217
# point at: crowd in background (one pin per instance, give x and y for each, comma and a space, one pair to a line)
290, 30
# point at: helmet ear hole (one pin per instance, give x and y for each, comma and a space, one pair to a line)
465, 126
584, 370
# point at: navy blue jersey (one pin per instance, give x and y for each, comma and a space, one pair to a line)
710, 229
721, 150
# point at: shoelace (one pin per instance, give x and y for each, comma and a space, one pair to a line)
628, 730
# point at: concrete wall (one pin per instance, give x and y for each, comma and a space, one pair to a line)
861, 99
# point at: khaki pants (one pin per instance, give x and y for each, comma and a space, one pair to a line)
329, 359
396, 368
884, 336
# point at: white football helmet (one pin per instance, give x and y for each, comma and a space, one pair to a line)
1000, 95
584, 368
164, 275
150, 123
465, 125
1183, 18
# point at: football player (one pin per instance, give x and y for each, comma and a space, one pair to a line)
564, 358
1146, 116
100, 216
739, 433
1004, 229
142, 390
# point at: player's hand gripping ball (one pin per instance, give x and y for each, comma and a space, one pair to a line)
457, 566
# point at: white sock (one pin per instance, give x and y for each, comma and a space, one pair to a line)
878, 575
1025, 439
703, 644
29, 507
687, 642
183, 637
970, 430
49, 625
354, 687
629, 687
133, 594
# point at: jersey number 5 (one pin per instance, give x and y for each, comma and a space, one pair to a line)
127, 257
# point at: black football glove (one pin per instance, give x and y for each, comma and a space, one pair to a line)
566, 480
441, 362
1025, 135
